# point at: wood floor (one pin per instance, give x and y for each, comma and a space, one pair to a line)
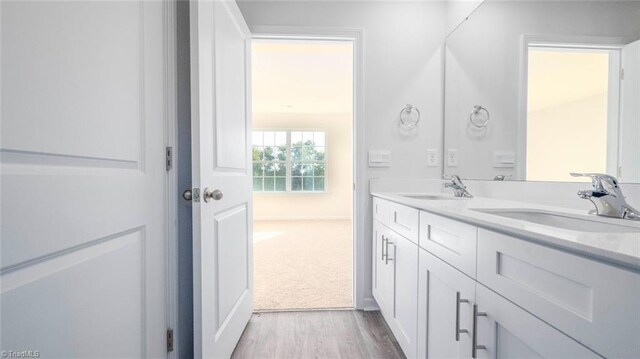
317, 334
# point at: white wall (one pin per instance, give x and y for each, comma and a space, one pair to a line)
402, 64
483, 68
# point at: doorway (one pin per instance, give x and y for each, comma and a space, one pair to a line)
302, 153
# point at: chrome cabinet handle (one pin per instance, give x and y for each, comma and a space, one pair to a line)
474, 341
383, 245
458, 330
210, 194
387, 259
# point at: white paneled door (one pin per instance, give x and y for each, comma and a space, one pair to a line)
222, 247
83, 179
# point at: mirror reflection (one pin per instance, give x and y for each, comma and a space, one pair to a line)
536, 90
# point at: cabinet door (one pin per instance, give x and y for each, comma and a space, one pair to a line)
382, 281
403, 255
445, 308
504, 330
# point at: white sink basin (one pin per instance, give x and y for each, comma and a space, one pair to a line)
565, 221
430, 197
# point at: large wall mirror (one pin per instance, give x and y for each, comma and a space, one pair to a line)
535, 90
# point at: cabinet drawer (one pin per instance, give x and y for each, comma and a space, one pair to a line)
381, 210
400, 218
404, 221
452, 241
594, 303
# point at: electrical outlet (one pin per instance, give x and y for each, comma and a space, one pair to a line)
432, 158
452, 158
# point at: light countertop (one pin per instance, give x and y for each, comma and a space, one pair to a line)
618, 248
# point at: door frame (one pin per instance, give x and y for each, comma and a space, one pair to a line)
171, 183
360, 195
563, 41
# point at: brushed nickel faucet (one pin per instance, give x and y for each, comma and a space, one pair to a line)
459, 189
607, 196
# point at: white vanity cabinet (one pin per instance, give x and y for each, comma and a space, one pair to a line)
395, 273
463, 291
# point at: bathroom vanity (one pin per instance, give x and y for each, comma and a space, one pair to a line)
489, 278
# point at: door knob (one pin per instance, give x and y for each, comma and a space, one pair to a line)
209, 194
187, 195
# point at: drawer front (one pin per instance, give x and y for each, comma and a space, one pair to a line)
452, 241
594, 303
404, 221
381, 210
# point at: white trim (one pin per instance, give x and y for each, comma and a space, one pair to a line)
171, 135
356, 35
582, 42
370, 305
613, 112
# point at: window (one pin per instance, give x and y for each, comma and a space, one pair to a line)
289, 161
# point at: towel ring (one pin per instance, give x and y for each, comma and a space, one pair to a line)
409, 116
479, 116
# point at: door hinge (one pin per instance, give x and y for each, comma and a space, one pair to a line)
169, 340
168, 157
621, 74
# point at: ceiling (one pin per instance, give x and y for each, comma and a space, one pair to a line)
302, 76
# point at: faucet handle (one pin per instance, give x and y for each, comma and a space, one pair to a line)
597, 180
501, 177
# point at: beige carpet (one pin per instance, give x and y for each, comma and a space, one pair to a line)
302, 264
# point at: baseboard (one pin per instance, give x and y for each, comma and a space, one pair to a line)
370, 305
302, 218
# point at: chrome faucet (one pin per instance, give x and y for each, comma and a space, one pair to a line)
607, 196
459, 189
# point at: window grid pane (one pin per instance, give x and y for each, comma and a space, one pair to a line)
289, 158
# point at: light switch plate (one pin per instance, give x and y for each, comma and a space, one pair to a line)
452, 158
504, 159
379, 158
432, 158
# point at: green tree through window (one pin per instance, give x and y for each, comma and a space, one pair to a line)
289, 161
